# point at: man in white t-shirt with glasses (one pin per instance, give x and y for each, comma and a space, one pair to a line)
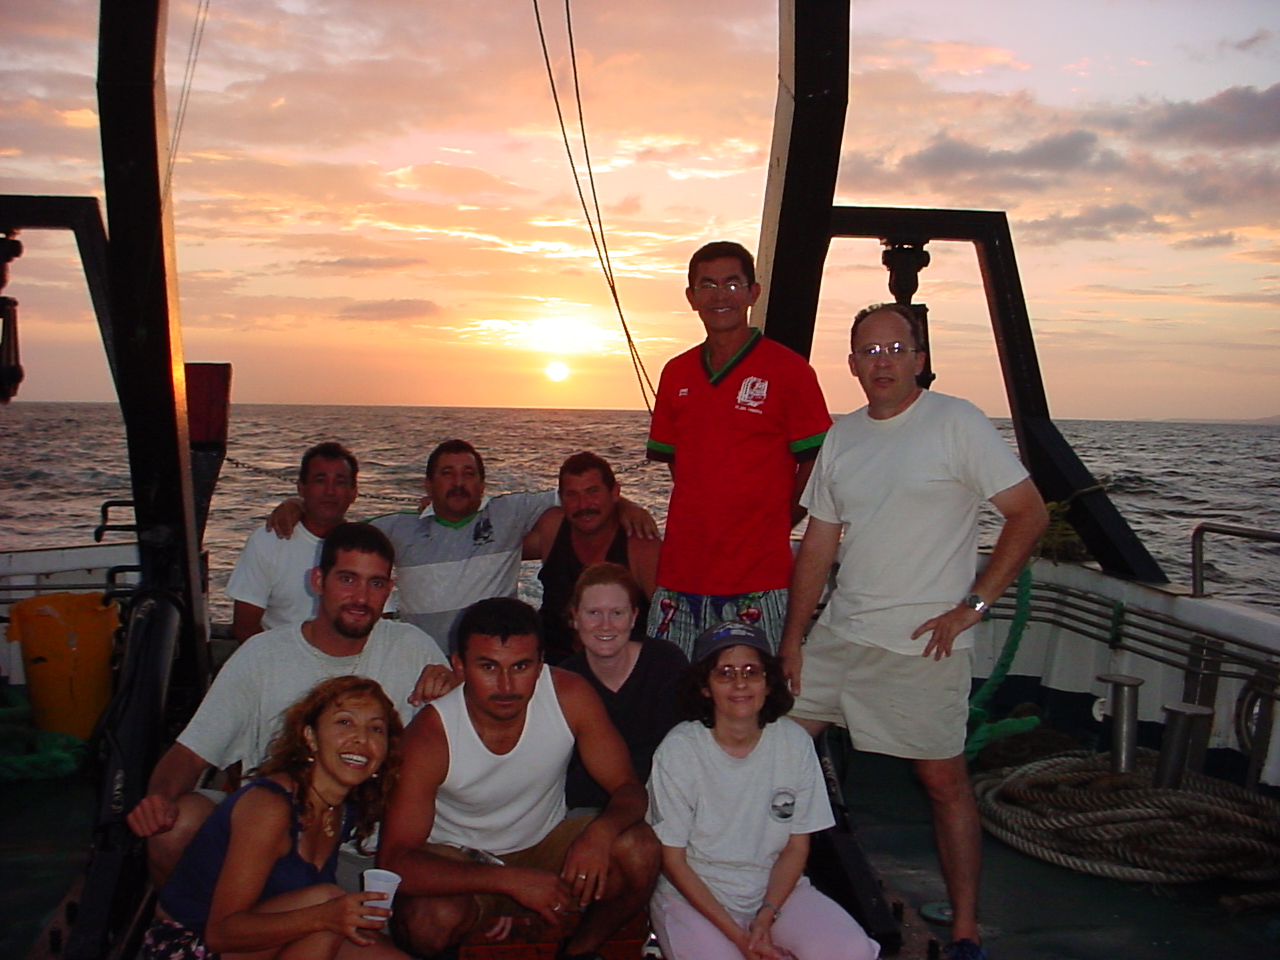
894, 497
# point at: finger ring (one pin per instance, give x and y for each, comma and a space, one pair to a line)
582, 876
557, 908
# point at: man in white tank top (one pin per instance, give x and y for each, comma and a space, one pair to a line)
476, 827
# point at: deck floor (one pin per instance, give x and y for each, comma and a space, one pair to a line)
45, 826
1032, 910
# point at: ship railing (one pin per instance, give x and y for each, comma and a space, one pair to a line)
1226, 529
111, 582
1202, 655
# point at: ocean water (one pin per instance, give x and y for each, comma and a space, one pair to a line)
60, 461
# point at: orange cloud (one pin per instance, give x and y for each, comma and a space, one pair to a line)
448, 178
383, 192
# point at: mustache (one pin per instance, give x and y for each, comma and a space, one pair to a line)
458, 492
585, 512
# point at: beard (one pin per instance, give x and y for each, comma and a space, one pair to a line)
353, 631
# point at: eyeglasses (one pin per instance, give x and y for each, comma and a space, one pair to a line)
896, 349
748, 673
729, 286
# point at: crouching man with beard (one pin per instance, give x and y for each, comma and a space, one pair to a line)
272, 670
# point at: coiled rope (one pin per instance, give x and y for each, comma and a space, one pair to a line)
1070, 809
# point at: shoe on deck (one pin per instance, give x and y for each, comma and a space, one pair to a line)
964, 950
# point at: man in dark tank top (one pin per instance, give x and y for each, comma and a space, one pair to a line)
585, 530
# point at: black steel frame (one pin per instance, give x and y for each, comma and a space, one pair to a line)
1053, 464
793, 255
131, 284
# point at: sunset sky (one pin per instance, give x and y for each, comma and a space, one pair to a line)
372, 202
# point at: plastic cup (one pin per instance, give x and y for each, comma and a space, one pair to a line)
380, 881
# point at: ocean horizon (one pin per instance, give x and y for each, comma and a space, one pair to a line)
64, 458
1262, 421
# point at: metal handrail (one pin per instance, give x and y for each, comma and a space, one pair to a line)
1202, 655
1151, 635
1227, 529
53, 586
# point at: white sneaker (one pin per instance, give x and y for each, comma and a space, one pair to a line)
651, 948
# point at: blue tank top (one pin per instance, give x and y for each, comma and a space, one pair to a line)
189, 892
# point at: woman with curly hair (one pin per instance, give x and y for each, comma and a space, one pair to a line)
258, 879
734, 795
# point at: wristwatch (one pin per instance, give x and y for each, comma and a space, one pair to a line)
976, 603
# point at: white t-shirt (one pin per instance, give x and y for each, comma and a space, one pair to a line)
275, 574
907, 491
734, 815
273, 670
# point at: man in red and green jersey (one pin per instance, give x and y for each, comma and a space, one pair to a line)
739, 418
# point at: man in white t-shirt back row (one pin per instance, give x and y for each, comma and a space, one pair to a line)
894, 496
271, 583
271, 671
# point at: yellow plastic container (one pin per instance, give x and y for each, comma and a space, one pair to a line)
66, 653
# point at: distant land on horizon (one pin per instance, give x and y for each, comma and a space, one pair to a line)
1265, 421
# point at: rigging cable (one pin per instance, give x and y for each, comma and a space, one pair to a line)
175, 135
184, 95
595, 225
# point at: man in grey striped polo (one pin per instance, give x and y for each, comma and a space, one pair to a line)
465, 546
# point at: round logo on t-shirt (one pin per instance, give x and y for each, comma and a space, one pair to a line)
783, 805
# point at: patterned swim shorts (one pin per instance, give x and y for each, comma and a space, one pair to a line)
170, 940
681, 617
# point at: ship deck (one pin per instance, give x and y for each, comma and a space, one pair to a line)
45, 826
1031, 910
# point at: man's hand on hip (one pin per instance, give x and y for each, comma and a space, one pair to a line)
945, 628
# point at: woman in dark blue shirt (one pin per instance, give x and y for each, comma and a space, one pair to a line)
259, 876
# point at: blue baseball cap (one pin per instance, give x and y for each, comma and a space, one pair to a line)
730, 633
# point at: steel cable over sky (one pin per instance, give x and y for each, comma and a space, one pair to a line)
595, 222
184, 95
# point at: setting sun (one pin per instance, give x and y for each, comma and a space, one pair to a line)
557, 371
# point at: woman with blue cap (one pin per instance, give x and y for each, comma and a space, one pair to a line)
734, 795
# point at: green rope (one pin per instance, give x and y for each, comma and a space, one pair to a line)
14, 705
982, 729
30, 754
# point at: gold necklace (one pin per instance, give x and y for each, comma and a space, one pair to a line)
327, 824
326, 659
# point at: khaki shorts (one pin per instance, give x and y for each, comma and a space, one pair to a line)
901, 705
547, 854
